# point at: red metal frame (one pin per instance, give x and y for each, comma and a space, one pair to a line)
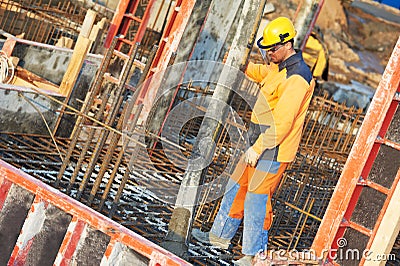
21, 249
310, 28
170, 28
121, 22
379, 220
71, 240
5, 186
83, 216
130, 14
116, 22
359, 164
168, 45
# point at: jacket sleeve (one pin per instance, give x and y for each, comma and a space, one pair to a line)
284, 114
256, 72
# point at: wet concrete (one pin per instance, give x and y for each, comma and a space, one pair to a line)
17, 113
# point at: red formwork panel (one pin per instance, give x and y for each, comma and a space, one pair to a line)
82, 217
370, 142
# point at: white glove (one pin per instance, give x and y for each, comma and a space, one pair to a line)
251, 157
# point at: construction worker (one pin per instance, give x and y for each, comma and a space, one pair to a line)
316, 56
277, 119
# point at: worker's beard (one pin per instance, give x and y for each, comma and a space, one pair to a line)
274, 59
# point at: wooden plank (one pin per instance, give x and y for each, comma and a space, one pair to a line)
8, 46
28, 79
94, 34
81, 48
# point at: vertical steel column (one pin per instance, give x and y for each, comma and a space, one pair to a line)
210, 129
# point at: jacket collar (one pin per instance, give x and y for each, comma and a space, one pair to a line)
294, 59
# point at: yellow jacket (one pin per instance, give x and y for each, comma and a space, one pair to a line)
286, 91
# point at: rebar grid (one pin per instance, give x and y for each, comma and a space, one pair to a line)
330, 126
305, 190
110, 173
307, 185
47, 21
102, 144
299, 202
37, 156
42, 21
103, 170
301, 199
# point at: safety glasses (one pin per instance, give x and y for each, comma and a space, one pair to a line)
265, 49
275, 48
270, 48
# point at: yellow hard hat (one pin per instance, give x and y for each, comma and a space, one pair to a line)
279, 30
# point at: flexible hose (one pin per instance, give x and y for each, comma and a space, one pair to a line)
6, 68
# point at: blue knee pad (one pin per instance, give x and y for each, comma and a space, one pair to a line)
255, 238
225, 226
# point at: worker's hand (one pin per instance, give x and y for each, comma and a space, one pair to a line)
251, 157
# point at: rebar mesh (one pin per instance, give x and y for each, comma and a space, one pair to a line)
42, 21
48, 21
115, 182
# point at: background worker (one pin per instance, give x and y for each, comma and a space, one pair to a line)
277, 119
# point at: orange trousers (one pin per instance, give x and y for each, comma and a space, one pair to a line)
253, 180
